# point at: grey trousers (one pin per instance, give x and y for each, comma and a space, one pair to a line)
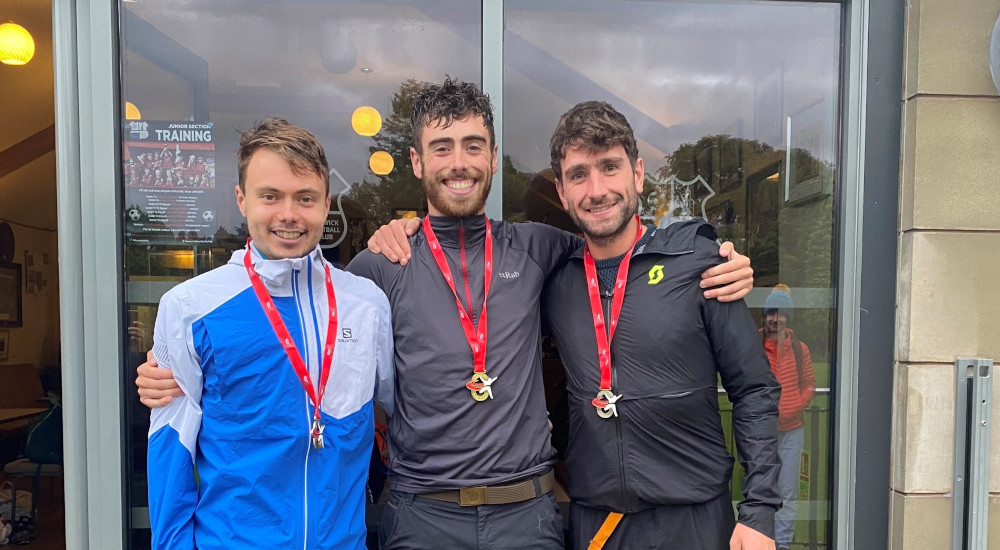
706, 526
411, 522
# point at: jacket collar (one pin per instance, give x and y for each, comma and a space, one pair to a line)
447, 229
278, 272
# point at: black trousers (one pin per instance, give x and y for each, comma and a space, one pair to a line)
706, 526
412, 522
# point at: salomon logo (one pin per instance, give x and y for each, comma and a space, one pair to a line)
655, 274
345, 336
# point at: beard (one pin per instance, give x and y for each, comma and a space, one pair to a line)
458, 206
605, 231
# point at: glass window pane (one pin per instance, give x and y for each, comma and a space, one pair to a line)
195, 74
735, 107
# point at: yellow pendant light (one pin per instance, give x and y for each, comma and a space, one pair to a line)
381, 163
131, 111
16, 45
366, 121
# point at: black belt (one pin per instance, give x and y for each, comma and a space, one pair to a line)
497, 494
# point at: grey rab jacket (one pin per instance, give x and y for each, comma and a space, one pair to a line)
439, 437
666, 446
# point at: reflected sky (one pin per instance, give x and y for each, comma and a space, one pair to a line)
677, 70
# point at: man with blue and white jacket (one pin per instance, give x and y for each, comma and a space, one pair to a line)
280, 357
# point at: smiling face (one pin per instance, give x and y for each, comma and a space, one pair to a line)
600, 191
285, 211
775, 323
456, 165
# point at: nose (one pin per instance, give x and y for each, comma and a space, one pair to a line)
287, 210
595, 187
458, 161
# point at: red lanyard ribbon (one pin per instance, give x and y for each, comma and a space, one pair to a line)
605, 400
474, 335
316, 432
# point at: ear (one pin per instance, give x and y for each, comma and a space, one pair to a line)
496, 148
418, 167
640, 175
241, 201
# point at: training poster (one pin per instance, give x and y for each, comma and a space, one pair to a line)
169, 175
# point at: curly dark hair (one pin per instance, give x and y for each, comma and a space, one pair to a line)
595, 126
448, 101
298, 146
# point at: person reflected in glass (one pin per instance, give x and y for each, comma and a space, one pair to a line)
792, 366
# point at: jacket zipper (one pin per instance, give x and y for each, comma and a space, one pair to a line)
618, 421
305, 463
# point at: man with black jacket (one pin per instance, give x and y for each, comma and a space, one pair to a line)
642, 349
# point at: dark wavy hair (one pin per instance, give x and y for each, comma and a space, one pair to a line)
595, 126
446, 102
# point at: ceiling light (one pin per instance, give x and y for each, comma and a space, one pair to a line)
381, 163
366, 121
16, 45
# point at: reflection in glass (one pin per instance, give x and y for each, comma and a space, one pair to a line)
735, 106
224, 64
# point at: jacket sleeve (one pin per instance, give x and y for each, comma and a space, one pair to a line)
754, 392
547, 246
807, 383
173, 433
384, 359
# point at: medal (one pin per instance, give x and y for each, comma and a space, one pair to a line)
317, 433
481, 384
316, 430
605, 400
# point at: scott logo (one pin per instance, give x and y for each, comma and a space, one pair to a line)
655, 274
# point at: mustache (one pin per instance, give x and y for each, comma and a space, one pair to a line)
604, 201
464, 174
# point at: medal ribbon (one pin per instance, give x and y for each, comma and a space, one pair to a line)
476, 336
289, 345
604, 336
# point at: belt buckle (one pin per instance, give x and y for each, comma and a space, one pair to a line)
472, 496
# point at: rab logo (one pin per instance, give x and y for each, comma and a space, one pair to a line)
345, 333
655, 274
508, 274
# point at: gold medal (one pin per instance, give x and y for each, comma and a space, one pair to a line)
481, 386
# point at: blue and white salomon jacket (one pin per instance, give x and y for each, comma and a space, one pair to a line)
244, 419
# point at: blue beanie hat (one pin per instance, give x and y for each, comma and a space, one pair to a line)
780, 299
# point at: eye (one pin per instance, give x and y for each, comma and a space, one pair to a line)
268, 196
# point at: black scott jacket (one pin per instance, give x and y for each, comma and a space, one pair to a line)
666, 445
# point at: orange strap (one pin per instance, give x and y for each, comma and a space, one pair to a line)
605, 531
